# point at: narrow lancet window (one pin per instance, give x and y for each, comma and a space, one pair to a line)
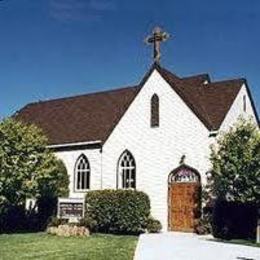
127, 171
82, 174
155, 113
244, 103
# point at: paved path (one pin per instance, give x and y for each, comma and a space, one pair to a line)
182, 246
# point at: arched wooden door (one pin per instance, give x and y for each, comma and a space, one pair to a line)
184, 193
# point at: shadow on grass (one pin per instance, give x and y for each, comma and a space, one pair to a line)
243, 242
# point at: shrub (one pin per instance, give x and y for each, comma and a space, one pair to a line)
12, 218
234, 220
118, 211
153, 225
203, 227
89, 223
55, 222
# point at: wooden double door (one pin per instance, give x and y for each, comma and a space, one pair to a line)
184, 205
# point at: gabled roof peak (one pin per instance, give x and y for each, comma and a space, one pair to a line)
93, 116
211, 103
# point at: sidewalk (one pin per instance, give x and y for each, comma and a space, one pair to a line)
183, 246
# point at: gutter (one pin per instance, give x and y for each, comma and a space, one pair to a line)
68, 145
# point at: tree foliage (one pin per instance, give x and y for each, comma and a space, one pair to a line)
27, 168
236, 164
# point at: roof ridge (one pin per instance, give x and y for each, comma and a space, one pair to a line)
196, 75
227, 80
168, 71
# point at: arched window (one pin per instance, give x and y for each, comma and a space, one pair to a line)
155, 114
244, 103
82, 174
126, 171
184, 174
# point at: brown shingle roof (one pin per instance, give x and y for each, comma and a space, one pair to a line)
79, 119
211, 101
93, 117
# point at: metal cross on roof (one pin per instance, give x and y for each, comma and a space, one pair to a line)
156, 38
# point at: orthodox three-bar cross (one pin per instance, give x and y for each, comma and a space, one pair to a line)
156, 38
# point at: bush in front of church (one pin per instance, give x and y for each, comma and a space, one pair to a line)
153, 225
234, 220
118, 211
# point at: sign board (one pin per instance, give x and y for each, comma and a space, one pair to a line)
70, 208
31, 204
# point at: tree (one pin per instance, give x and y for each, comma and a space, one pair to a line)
236, 164
27, 168
235, 181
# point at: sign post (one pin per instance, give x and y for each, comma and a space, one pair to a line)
71, 209
258, 228
258, 232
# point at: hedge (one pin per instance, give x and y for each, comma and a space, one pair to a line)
12, 218
18, 219
234, 220
118, 211
153, 225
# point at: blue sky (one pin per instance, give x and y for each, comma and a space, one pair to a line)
56, 48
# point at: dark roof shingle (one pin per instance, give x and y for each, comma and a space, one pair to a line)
79, 119
211, 101
92, 117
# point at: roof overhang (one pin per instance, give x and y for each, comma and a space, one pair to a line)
76, 146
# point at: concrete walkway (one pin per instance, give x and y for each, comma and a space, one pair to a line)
182, 246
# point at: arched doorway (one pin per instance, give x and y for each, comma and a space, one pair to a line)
184, 196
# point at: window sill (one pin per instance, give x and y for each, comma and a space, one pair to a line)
81, 191
126, 188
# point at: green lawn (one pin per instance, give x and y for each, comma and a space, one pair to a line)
238, 242
244, 242
43, 246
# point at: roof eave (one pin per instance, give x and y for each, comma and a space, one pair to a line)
251, 100
75, 146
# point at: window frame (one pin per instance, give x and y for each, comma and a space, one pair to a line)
244, 103
87, 172
121, 176
155, 111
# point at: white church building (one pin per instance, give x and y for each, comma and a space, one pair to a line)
153, 137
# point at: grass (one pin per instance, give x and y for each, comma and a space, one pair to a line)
238, 242
43, 246
244, 242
